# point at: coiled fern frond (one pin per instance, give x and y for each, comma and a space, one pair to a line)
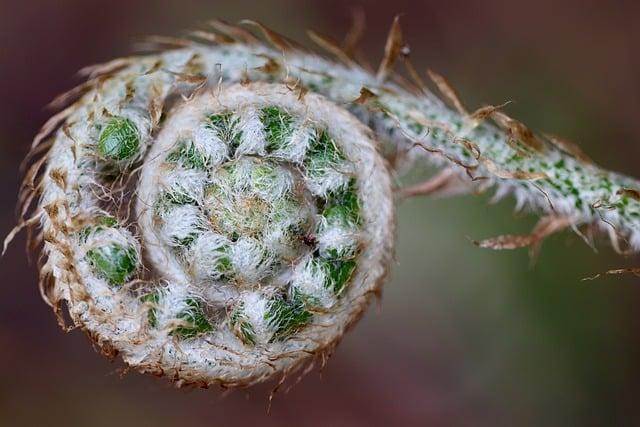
221, 210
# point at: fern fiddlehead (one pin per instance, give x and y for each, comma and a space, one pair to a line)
221, 211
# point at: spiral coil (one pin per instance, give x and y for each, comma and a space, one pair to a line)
263, 223
220, 211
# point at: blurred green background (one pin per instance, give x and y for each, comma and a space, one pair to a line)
462, 336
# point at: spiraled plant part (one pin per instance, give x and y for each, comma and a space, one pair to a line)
221, 211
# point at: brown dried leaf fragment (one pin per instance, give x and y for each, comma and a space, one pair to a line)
447, 90
392, 50
546, 227
356, 31
446, 183
163, 43
51, 125
234, 32
29, 187
483, 113
629, 192
568, 147
271, 66
470, 146
28, 184
35, 219
130, 91
59, 177
107, 68
192, 79
517, 132
277, 40
75, 93
330, 46
156, 104
212, 37
413, 73
157, 65
302, 91
366, 95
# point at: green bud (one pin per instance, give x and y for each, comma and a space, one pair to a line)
338, 273
113, 263
223, 264
323, 154
286, 316
342, 206
119, 139
197, 323
263, 177
226, 126
187, 155
277, 125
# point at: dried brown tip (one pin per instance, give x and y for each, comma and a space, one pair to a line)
629, 192
210, 37
568, 147
413, 73
22, 225
271, 65
392, 50
546, 227
366, 95
156, 104
518, 132
233, 32
483, 113
107, 68
50, 126
156, 43
331, 47
356, 31
277, 40
75, 93
447, 90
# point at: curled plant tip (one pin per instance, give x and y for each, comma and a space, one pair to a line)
219, 211
266, 221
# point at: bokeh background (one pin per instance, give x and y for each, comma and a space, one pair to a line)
463, 336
